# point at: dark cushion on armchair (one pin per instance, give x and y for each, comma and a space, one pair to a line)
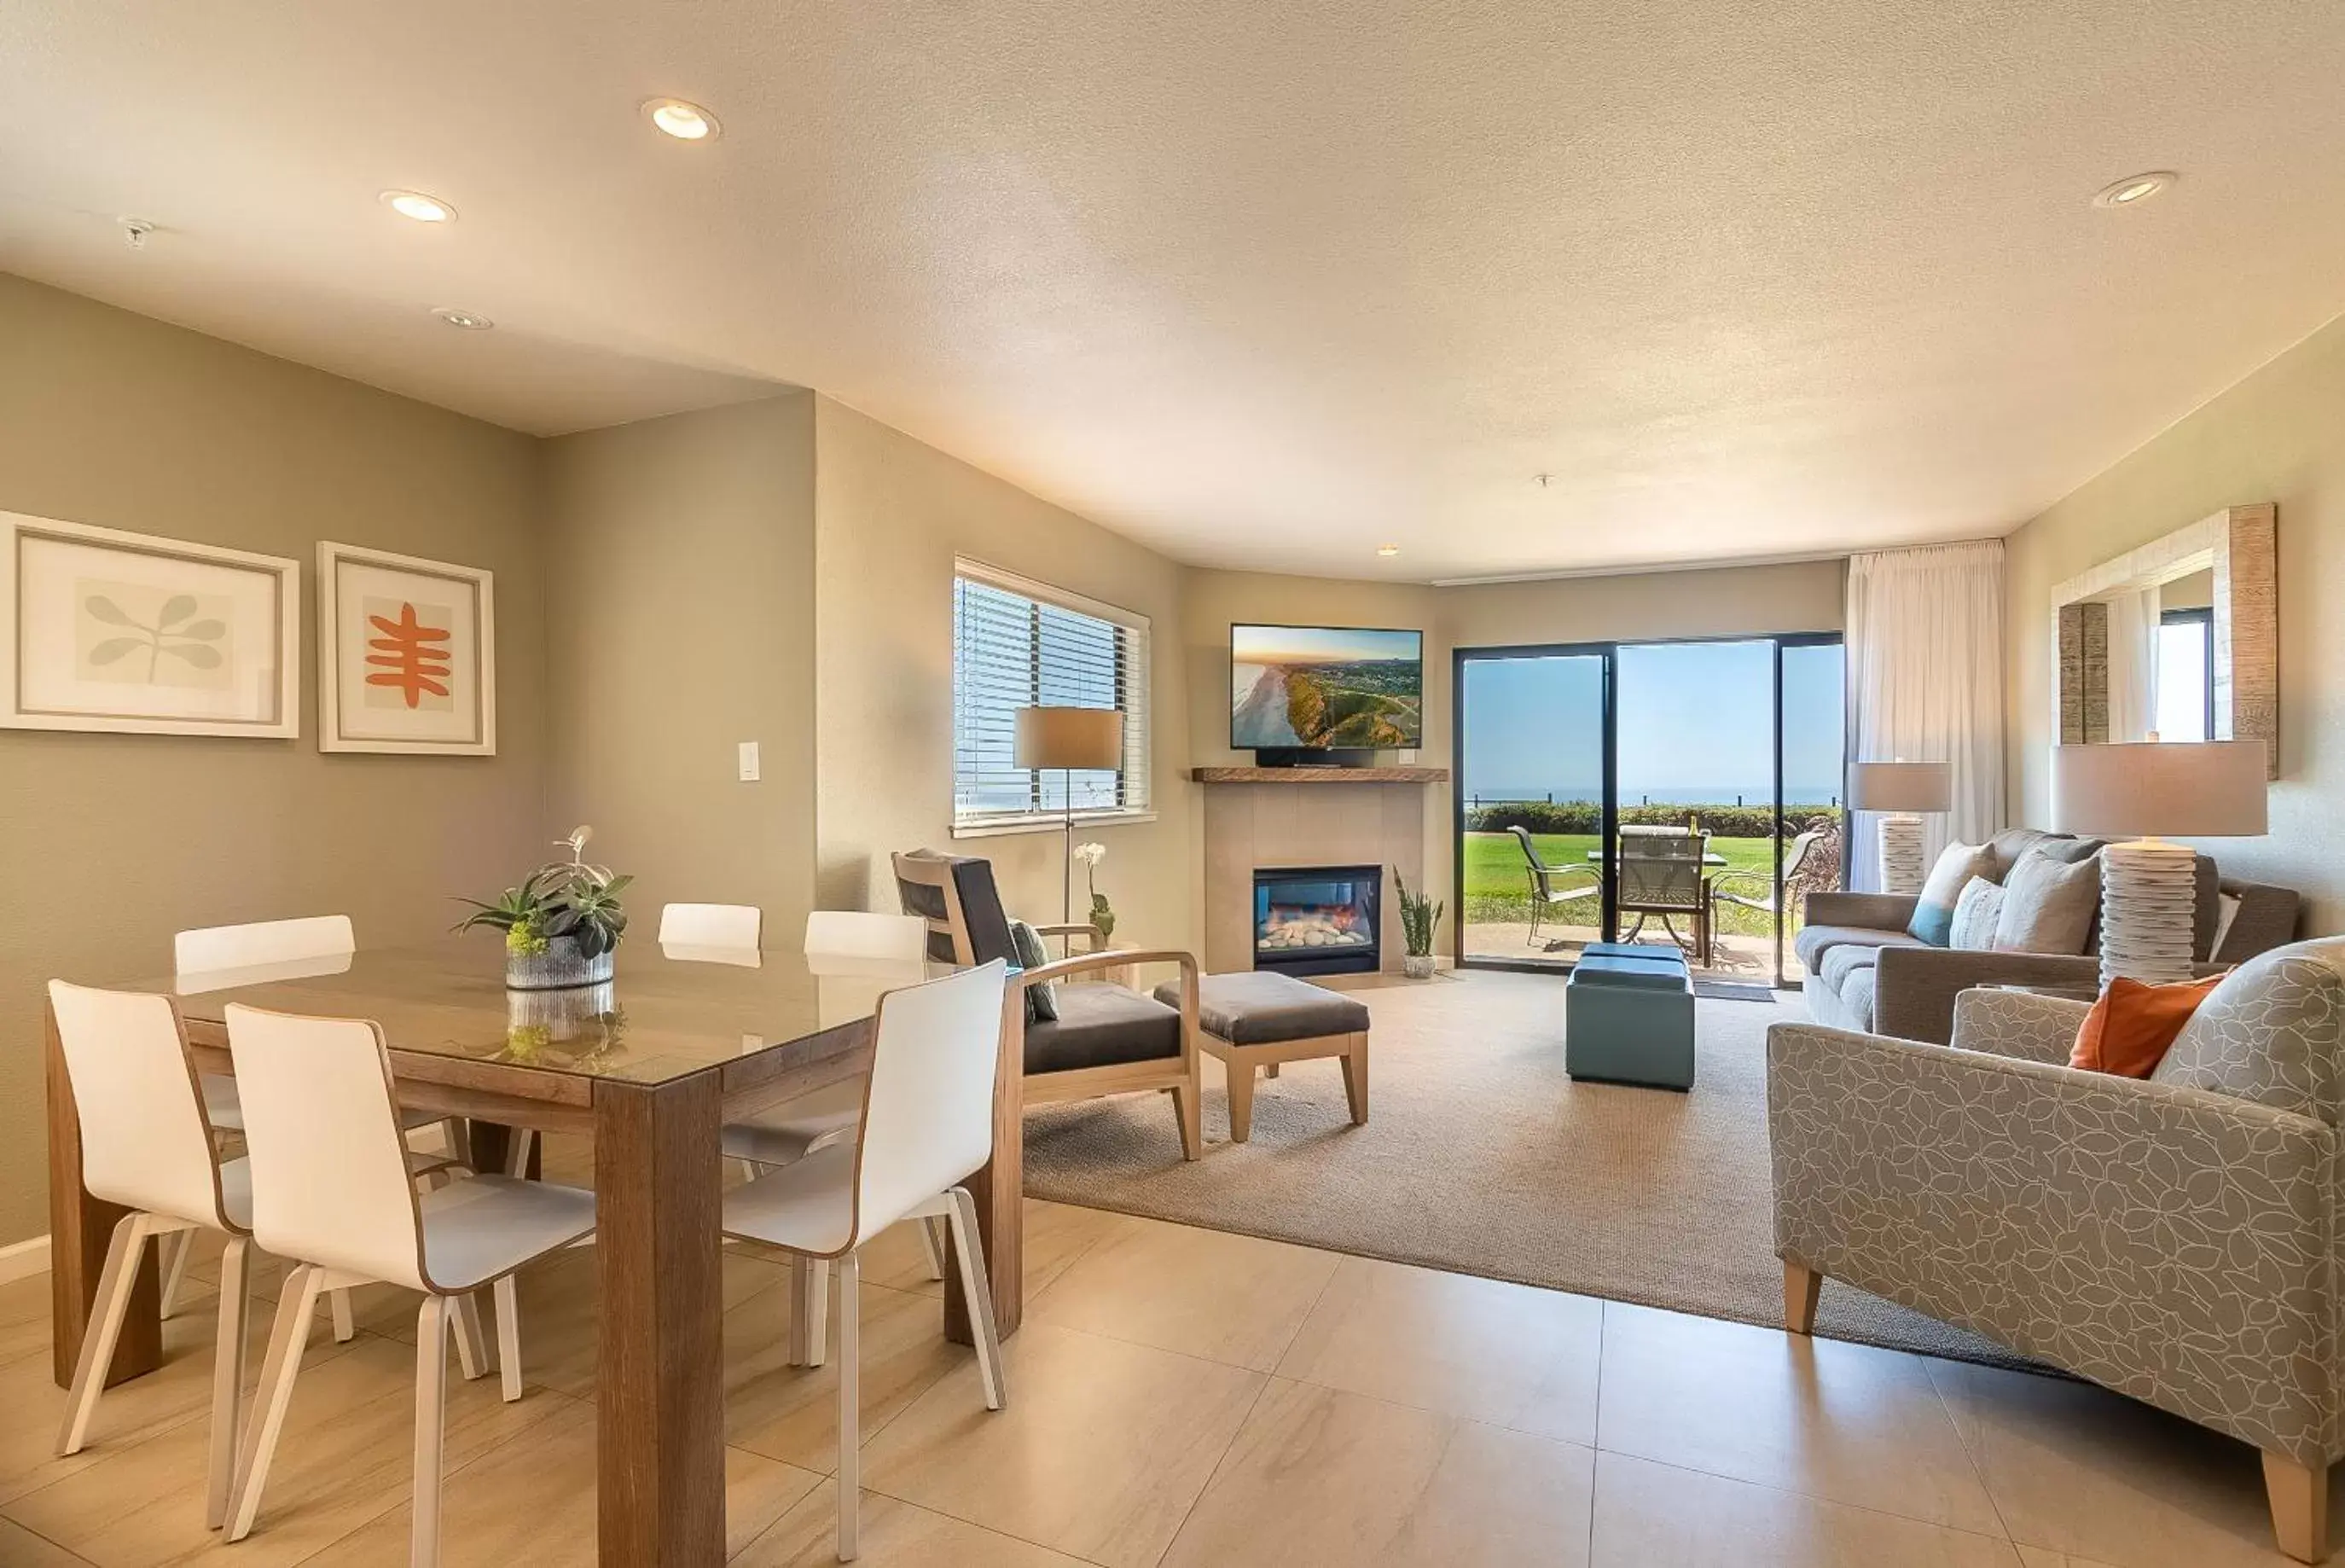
980, 907
1101, 1026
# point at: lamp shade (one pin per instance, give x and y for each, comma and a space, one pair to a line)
1901, 786
1070, 737
2202, 789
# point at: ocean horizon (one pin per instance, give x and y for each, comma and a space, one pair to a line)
1824, 795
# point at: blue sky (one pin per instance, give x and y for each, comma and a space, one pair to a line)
1297, 645
1696, 721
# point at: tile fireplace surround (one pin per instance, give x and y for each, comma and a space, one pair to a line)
1264, 817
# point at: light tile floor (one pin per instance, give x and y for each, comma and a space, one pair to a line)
1184, 1397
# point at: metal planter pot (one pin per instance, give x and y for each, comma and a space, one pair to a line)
561, 967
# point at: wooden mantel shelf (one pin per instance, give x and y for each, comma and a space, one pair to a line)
1320, 775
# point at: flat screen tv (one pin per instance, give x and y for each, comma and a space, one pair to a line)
1325, 689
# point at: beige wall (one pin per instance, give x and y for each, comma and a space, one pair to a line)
1647, 606
680, 553
2278, 436
111, 842
890, 514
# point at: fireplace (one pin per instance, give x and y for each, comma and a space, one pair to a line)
1318, 919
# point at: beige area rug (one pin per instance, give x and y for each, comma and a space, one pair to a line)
1481, 1156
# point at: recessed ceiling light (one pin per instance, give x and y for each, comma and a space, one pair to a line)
2135, 189
469, 321
683, 121
1387, 549
416, 205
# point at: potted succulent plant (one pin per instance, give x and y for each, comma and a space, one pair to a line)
1418, 917
561, 924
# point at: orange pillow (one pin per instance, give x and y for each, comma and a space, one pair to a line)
2132, 1026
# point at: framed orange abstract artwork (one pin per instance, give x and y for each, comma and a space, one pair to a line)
406, 654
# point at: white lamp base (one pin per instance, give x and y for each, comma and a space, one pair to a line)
1901, 853
2149, 893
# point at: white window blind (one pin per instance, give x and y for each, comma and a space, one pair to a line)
1020, 644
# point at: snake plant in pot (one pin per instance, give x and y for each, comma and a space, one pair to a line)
1418, 917
561, 924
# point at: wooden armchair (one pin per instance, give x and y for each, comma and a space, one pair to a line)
1107, 1039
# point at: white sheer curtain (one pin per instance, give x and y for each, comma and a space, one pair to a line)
1925, 684
2133, 664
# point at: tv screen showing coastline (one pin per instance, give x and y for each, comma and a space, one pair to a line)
1326, 687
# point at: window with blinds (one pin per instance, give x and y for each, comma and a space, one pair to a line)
1019, 644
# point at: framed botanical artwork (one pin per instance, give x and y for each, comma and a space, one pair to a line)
407, 656
106, 630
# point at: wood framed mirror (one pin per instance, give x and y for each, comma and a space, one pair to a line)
2177, 640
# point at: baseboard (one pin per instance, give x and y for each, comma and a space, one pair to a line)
23, 1259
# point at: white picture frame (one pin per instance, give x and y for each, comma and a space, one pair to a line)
407, 653
109, 631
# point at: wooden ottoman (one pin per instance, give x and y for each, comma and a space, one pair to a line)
1260, 1018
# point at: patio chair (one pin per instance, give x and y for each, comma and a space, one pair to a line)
1662, 873
1546, 896
1795, 867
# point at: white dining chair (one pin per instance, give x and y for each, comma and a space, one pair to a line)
790, 1131
259, 944
330, 1193
145, 1144
710, 925
926, 1128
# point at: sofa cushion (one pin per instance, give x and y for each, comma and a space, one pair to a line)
1845, 960
2014, 842
2048, 904
2270, 1031
1815, 940
1100, 1025
1262, 1007
2133, 1025
1933, 915
1975, 913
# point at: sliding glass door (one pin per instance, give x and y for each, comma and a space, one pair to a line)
1534, 748
1672, 792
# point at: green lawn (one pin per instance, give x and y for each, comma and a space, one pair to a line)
1496, 890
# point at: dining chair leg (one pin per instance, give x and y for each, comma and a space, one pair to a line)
432, 1324
932, 1242
508, 1295
472, 1344
297, 1303
177, 1248
801, 1276
977, 1288
228, 1381
123, 1253
817, 1314
345, 1325
850, 1408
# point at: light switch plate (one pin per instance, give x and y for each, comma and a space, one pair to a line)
748, 762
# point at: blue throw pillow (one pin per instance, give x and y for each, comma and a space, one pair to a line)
1933, 915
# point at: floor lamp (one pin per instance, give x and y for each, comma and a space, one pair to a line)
1068, 739
2149, 889
1902, 791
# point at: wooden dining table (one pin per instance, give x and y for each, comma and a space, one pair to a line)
649, 1065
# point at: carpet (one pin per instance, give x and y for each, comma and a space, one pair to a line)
1481, 1156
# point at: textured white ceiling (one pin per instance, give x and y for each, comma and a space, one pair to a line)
1257, 284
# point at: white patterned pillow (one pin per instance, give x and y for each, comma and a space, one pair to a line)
1975, 913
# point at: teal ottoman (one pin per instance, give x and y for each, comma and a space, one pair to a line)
1628, 1016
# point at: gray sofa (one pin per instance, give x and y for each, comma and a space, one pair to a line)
1866, 972
2176, 1239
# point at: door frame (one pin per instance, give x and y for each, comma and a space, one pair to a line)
1609, 816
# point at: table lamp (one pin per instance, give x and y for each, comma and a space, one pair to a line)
2149, 889
1902, 791
1068, 738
